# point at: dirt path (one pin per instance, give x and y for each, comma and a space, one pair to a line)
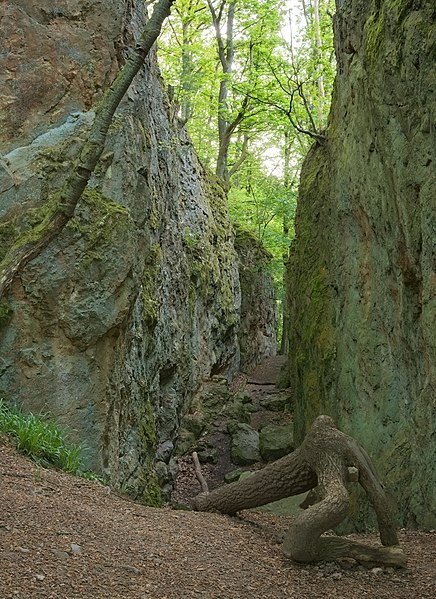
267, 372
66, 538
259, 385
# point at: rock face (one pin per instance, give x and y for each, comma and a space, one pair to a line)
258, 330
276, 441
245, 444
113, 327
362, 286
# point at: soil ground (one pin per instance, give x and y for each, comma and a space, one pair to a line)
67, 538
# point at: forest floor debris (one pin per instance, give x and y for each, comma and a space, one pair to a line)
131, 551
66, 538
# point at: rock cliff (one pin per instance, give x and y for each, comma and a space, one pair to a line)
361, 279
258, 318
114, 326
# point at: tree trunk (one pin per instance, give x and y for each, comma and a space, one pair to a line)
323, 459
318, 42
288, 476
29, 247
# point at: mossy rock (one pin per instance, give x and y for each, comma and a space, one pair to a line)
194, 423
236, 410
276, 404
245, 445
186, 442
243, 396
208, 456
276, 441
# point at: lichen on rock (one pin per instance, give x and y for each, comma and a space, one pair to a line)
361, 282
114, 326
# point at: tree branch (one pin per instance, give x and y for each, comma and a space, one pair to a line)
322, 460
242, 156
199, 473
216, 20
22, 253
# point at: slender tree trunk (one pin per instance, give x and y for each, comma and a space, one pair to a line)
318, 42
22, 253
223, 138
284, 346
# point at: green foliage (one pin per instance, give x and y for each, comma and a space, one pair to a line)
5, 313
42, 440
190, 64
39, 438
263, 205
282, 88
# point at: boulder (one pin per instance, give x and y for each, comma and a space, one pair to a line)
245, 444
276, 441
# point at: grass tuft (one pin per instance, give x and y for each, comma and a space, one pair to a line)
42, 440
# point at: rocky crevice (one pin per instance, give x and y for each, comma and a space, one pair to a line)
114, 326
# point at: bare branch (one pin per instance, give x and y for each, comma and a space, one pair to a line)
199, 473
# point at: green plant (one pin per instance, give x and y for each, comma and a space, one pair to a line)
42, 440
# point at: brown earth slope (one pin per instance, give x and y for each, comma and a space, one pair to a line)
63, 537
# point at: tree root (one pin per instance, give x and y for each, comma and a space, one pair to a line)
327, 460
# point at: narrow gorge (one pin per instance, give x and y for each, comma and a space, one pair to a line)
151, 296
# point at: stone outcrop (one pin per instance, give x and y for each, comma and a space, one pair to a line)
362, 285
258, 331
275, 441
245, 444
114, 326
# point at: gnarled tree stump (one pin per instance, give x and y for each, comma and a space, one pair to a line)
323, 460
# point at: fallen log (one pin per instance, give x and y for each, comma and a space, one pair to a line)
327, 459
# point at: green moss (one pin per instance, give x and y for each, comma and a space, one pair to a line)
8, 235
98, 220
6, 312
387, 16
190, 241
374, 29
28, 228
155, 216
147, 429
147, 141
243, 236
151, 495
57, 157
399, 8
311, 332
149, 279
211, 256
